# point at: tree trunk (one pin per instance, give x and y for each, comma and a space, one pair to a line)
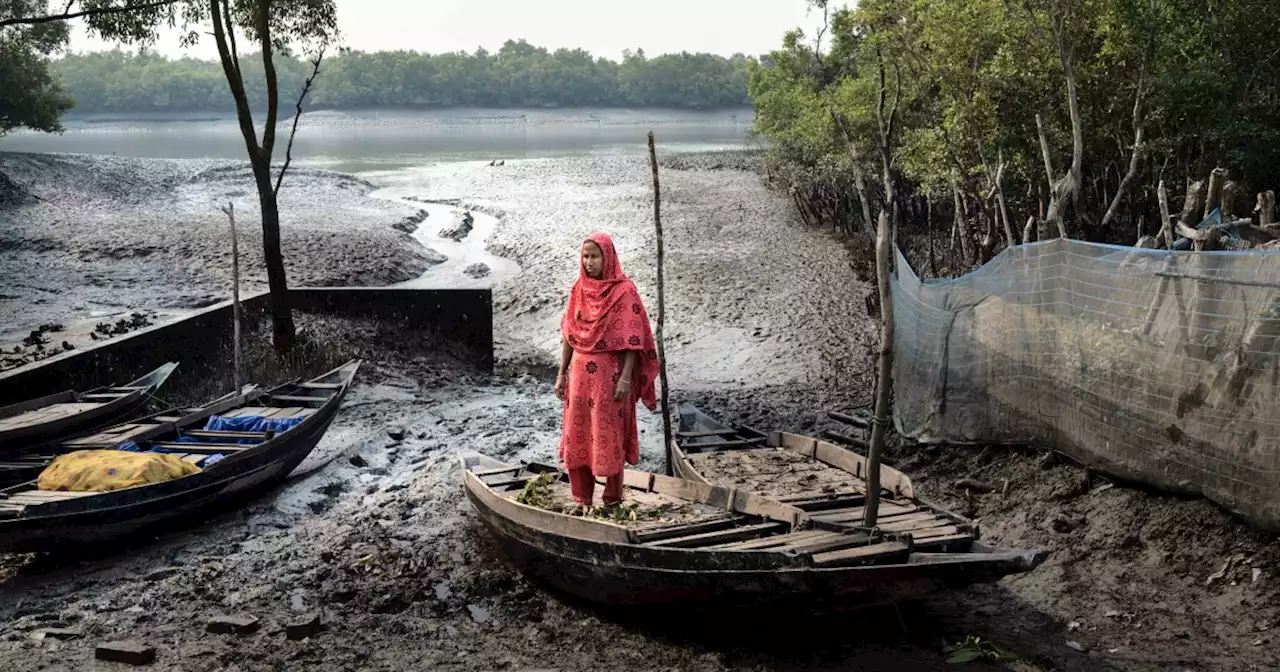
1266, 208
962, 226
283, 331
1166, 228
884, 381
928, 222
859, 183
1138, 129
1217, 180
1004, 210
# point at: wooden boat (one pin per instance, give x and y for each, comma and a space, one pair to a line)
715, 546
28, 464
34, 520
825, 480
37, 422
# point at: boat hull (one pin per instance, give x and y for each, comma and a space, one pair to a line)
26, 440
163, 507
630, 575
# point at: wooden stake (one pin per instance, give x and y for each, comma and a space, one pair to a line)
884, 243
662, 311
235, 296
1266, 208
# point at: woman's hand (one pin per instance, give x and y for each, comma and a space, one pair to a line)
561, 385
622, 389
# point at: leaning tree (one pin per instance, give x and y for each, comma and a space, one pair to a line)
286, 27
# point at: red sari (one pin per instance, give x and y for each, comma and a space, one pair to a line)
605, 318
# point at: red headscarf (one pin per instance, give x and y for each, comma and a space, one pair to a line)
606, 315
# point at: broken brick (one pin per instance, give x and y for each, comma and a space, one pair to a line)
309, 626
232, 625
129, 653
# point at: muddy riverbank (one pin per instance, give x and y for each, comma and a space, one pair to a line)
98, 237
766, 326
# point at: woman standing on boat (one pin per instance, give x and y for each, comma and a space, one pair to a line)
608, 362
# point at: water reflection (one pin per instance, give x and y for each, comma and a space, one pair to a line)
387, 139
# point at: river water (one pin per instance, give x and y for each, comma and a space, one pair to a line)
357, 141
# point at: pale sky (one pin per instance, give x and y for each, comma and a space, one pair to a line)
602, 27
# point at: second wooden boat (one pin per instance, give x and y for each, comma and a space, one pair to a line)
695, 543
39, 422
246, 461
823, 479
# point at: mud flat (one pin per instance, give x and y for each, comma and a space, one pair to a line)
98, 237
375, 535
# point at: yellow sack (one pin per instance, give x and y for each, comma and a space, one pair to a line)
104, 470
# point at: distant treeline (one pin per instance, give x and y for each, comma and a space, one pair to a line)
517, 75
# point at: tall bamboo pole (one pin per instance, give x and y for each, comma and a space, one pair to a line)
235, 296
662, 311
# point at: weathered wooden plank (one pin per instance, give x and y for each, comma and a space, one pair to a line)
494, 472
710, 432
768, 542
221, 434
640, 480
835, 542
700, 447
846, 460
320, 386
720, 537
933, 543
204, 447
861, 554
648, 535
298, 399
247, 411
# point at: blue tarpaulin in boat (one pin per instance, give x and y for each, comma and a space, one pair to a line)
248, 423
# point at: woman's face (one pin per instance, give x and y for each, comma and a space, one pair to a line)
592, 260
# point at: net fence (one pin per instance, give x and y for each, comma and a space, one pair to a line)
1154, 366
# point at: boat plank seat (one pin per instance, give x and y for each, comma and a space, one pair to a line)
699, 447
887, 511
204, 447
34, 497
320, 386
112, 436
825, 544
713, 432
719, 537
282, 412
246, 411
104, 396
45, 414
935, 543
671, 531
292, 398
167, 418
861, 554
494, 472
769, 543
807, 496
296, 412
227, 434
126, 388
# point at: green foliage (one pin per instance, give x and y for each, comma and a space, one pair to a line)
29, 96
517, 75
971, 76
976, 648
